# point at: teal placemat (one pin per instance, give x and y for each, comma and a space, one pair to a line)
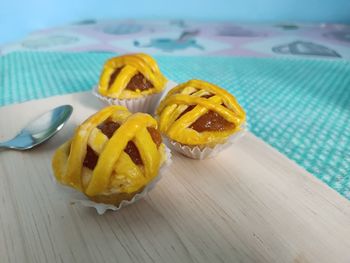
300, 107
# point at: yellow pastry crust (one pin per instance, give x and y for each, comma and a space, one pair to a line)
128, 67
115, 174
175, 122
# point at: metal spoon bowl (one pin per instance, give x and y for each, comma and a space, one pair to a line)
40, 129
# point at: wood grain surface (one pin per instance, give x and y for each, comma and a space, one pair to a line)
248, 204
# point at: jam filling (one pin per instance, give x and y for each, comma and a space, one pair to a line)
208, 96
113, 76
91, 158
210, 121
133, 152
155, 134
136, 82
139, 82
108, 128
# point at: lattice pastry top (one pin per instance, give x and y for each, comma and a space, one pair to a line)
131, 76
199, 113
112, 154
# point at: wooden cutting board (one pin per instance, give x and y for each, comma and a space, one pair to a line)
249, 204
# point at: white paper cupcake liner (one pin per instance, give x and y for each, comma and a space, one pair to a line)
76, 197
207, 152
145, 104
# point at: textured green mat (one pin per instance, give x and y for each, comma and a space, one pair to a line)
300, 107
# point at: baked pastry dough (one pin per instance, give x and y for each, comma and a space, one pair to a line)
131, 76
199, 113
112, 156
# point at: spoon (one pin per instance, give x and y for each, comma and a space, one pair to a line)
40, 129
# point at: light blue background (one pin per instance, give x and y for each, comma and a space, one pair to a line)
19, 17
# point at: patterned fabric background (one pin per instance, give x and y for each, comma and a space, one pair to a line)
189, 38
